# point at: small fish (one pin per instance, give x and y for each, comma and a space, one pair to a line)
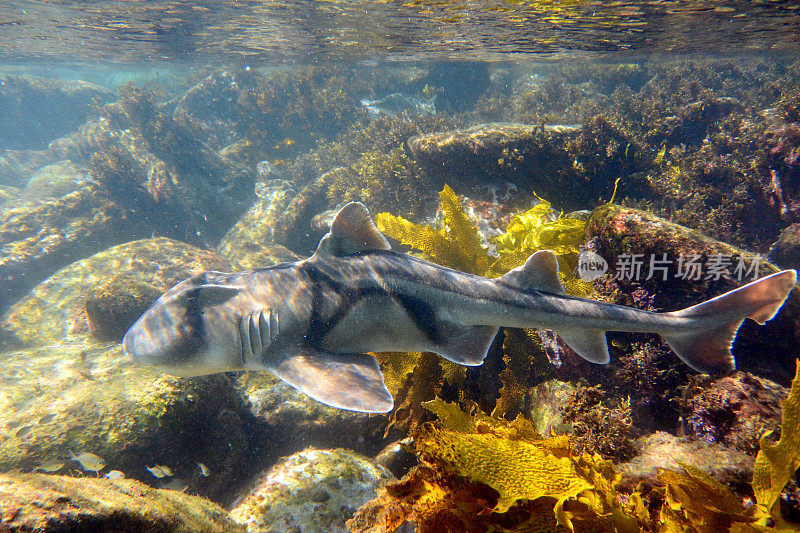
115, 474
204, 469
46, 419
24, 430
313, 323
53, 465
89, 461
160, 471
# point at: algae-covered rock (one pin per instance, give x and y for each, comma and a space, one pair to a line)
496, 150
662, 450
71, 398
37, 110
250, 243
56, 180
313, 490
113, 306
575, 165
735, 410
544, 406
785, 252
56, 308
160, 171
38, 237
37, 502
688, 268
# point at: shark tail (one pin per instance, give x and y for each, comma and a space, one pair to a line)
708, 348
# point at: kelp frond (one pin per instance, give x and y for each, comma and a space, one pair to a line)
536, 484
776, 463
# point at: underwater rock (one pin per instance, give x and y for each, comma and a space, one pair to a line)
168, 178
383, 181
56, 180
396, 458
294, 420
56, 308
37, 110
250, 243
690, 124
8, 194
208, 109
62, 388
487, 148
113, 306
575, 164
544, 405
735, 410
38, 502
17, 166
38, 237
662, 450
785, 252
687, 268
58, 399
313, 490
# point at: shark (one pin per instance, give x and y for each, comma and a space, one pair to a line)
315, 323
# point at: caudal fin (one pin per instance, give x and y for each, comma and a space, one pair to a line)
708, 348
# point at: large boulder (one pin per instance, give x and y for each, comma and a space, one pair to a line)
575, 164
37, 237
662, 450
313, 490
37, 502
56, 308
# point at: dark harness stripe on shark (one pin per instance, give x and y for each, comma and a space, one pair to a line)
420, 313
314, 322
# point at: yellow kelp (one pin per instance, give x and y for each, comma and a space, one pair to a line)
535, 229
696, 502
537, 484
517, 469
455, 245
777, 462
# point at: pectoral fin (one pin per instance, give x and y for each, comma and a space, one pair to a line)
346, 381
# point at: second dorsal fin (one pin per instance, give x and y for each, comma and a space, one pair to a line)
540, 272
352, 231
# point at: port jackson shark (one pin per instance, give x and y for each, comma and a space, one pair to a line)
314, 322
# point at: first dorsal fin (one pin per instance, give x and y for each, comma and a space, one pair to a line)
352, 231
540, 272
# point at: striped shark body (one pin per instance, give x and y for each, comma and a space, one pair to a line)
313, 323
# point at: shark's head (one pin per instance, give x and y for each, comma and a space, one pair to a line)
186, 332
